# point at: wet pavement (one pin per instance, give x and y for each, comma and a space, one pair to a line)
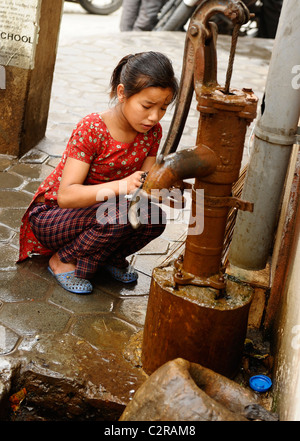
78, 356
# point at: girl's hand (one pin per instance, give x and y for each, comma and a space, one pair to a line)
134, 181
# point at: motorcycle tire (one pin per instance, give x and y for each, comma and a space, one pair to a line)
166, 13
178, 18
96, 7
175, 14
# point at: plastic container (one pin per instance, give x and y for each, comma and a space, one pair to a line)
260, 383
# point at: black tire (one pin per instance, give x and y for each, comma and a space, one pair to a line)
106, 9
179, 18
175, 14
166, 13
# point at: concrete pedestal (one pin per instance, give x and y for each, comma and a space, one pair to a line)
192, 323
24, 102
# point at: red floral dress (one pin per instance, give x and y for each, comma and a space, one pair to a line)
109, 160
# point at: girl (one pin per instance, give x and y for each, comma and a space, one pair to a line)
108, 153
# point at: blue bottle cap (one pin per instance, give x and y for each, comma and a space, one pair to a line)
260, 383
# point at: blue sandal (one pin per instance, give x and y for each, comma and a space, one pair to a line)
125, 275
72, 283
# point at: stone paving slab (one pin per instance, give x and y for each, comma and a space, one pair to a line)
67, 350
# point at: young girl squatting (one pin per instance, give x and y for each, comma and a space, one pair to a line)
107, 152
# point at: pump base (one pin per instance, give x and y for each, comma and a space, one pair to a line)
195, 323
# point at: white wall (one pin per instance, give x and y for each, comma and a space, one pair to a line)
287, 366
287, 329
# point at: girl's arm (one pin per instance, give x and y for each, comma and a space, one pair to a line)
73, 194
147, 164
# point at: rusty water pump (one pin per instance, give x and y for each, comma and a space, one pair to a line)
188, 313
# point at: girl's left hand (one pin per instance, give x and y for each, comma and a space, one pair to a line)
134, 181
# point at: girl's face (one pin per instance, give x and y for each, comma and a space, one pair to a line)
144, 109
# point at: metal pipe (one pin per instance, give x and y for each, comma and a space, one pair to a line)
222, 126
189, 163
168, 171
274, 138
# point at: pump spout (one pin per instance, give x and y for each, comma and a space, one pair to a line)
172, 169
189, 163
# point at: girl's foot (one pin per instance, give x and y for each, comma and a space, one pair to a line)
64, 273
57, 266
125, 275
72, 283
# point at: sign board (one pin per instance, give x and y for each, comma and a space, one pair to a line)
19, 29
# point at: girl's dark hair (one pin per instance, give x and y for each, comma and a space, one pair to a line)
145, 69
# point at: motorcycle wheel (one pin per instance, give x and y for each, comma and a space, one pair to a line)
101, 7
165, 14
179, 18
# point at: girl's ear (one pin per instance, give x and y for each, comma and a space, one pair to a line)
120, 93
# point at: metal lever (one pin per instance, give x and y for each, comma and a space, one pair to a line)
204, 71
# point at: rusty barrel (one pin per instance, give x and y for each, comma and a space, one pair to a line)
190, 322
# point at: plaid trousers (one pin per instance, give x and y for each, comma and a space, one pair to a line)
93, 236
